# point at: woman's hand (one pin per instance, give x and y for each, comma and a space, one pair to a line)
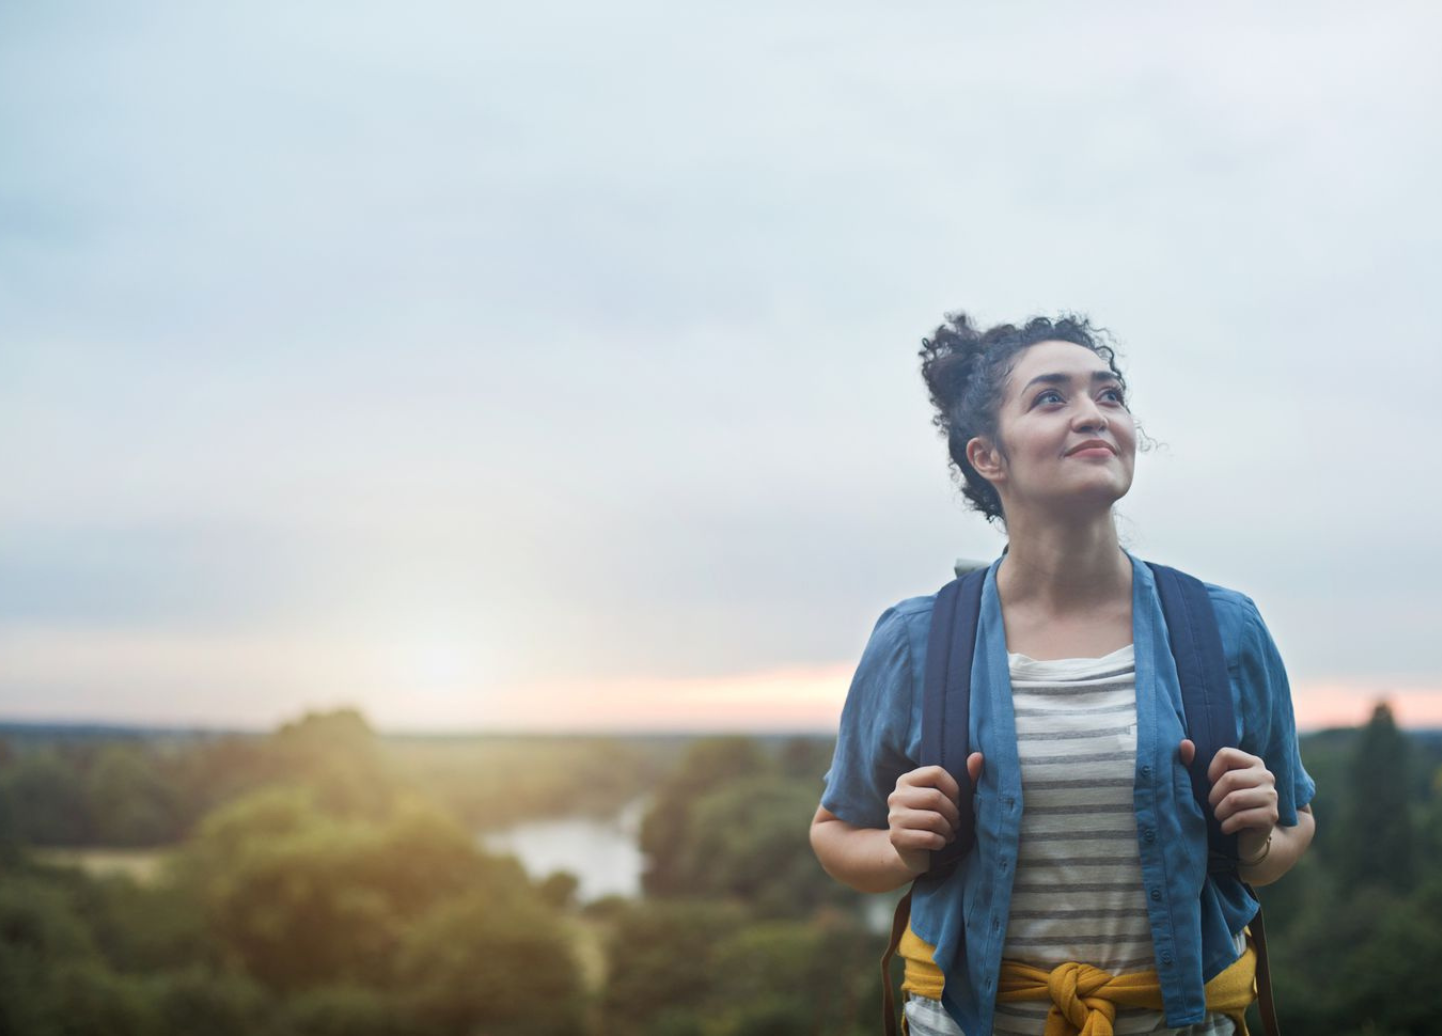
1244, 796
923, 812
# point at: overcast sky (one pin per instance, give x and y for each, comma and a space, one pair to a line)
554, 364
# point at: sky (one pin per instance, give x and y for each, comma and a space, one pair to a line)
553, 366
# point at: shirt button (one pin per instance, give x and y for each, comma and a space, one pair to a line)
1146, 771
995, 925
1167, 959
1149, 835
1157, 895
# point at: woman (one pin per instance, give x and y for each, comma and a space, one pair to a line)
1090, 847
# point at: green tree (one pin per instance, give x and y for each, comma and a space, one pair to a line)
86, 999
708, 765
303, 898
558, 890
345, 1010
337, 755
491, 965
130, 799
795, 977
749, 839
49, 797
1377, 804
807, 759
46, 956
660, 963
11, 837
145, 928
201, 1000
1392, 978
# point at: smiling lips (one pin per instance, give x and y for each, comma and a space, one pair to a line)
1092, 447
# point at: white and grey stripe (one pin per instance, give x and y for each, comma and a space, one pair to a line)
1077, 894
926, 1017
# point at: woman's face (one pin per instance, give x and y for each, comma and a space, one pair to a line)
1068, 441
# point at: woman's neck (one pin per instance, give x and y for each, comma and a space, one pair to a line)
1059, 568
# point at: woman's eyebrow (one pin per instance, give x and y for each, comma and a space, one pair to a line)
1065, 379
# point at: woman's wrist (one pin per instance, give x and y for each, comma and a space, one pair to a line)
1277, 857
1259, 855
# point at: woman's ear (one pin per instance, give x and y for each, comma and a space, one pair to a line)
986, 459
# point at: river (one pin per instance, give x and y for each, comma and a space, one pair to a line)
602, 853
606, 859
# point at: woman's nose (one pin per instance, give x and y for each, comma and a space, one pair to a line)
1090, 417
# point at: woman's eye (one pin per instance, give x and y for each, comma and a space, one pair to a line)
1115, 395
1049, 394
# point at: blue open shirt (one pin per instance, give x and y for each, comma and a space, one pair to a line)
1193, 916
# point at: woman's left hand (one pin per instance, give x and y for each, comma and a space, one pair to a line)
1244, 795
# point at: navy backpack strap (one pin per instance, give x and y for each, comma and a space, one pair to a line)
946, 701
1196, 643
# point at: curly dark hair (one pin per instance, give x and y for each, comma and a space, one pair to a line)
966, 370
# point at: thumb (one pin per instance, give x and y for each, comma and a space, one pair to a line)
1189, 752
973, 767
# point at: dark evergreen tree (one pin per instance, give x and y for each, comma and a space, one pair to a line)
1377, 811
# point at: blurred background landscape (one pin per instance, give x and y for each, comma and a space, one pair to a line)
324, 879
453, 456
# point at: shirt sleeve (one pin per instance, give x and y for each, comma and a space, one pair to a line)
1268, 727
871, 747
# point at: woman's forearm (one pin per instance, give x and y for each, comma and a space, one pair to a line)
1288, 846
861, 857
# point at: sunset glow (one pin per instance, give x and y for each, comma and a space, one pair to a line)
443, 686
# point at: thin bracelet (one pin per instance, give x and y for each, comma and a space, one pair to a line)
1266, 848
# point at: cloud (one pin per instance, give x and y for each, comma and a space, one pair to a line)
591, 331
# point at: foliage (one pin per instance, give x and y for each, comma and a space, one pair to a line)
48, 797
699, 966
52, 979
1377, 803
490, 963
660, 966
130, 801
74, 790
199, 999
491, 782
709, 764
558, 889
322, 889
301, 897
749, 839
343, 1010
733, 821
11, 837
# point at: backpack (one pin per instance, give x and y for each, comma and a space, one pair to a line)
1196, 645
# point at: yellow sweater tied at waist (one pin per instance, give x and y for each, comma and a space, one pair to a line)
1084, 999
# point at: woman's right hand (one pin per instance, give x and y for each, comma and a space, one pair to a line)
922, 812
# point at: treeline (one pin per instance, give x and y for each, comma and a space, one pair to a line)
64, 790
1355, 930
334, 898
338, 896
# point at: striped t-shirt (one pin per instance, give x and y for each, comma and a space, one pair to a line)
1077, 894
